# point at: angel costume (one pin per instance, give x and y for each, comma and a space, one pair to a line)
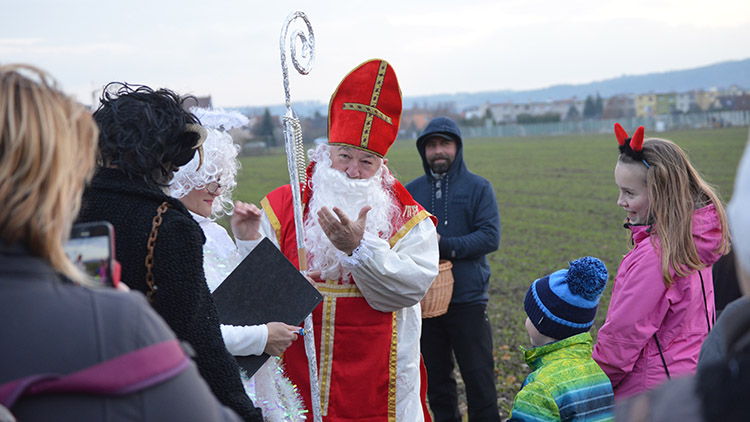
268, 388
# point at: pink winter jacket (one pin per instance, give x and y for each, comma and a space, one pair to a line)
641, 305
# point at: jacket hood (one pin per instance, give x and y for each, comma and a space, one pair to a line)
707, 233
442, 126
579, 345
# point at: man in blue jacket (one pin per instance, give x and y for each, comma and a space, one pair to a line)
468, 229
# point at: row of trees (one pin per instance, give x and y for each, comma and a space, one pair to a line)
593, 107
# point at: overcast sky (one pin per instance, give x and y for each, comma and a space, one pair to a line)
230, 49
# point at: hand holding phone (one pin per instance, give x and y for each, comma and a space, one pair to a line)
92, 248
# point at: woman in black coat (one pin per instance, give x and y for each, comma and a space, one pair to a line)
144, 136
49, 322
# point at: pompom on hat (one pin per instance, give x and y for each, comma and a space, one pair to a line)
365, 110
564, 303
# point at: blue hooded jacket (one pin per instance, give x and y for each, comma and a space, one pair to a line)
467, 213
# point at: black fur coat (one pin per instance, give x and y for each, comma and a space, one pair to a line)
182, 297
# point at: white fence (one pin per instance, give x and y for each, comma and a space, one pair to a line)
652, 124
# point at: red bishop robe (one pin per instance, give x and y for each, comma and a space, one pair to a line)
356, 345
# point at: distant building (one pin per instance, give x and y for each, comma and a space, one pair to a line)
618, 107
474, 112
734, 91
727, 102
707, 100
645, 105
508, 112
573, 108
685, 101
742, 102
563, 108
415, 119
665, 104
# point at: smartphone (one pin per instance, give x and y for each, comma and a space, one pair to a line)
92, 248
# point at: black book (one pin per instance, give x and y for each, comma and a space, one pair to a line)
265, 287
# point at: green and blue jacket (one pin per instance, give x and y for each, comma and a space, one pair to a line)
566, 385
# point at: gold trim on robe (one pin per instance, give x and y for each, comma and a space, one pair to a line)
275, 223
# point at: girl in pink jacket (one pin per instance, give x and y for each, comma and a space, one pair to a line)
662, 304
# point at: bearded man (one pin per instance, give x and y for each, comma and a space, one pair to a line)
377, 251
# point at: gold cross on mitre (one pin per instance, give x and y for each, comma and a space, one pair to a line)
371, 109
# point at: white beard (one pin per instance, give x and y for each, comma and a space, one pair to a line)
333, 188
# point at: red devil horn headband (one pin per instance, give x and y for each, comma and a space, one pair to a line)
620, 133
632, 147
637, 142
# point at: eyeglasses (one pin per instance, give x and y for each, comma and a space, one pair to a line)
213, 187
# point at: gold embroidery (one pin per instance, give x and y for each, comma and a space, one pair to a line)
371, 110
410, 210
272, 218
338, 290
327, 327
393, 367
408, 226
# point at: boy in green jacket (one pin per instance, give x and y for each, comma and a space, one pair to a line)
567, 384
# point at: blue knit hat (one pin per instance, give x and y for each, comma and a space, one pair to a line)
563, 303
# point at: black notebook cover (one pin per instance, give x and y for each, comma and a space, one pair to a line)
265, 287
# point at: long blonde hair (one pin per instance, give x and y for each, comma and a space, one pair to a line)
47, 149
675, 191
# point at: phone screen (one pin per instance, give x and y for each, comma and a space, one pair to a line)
91, 249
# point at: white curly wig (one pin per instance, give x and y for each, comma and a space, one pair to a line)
220, 161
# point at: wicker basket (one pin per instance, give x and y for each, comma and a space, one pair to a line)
438, 297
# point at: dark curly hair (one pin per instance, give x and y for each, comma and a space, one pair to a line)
143, 132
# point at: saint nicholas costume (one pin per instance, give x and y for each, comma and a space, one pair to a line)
367, 329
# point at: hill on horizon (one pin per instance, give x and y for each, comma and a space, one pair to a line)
718, 75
